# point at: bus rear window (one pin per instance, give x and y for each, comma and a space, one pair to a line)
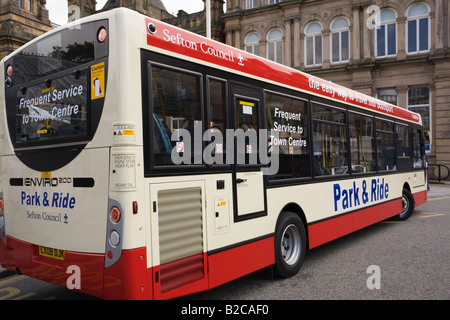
69, 48
53, 110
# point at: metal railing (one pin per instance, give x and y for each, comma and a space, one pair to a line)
438, 172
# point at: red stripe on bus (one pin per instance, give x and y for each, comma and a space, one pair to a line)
168, 283
127, 278
420, 198
221, 268
326, 231
232, 264
30, 263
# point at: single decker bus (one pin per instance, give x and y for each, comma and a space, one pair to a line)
147, 162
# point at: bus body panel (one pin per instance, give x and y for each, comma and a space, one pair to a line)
50, 209
353, 203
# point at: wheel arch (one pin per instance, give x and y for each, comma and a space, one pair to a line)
407, 186
295, 208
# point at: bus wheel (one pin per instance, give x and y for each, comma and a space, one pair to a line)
407, 206
290, 245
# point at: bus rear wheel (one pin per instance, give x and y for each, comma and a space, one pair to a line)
290, 245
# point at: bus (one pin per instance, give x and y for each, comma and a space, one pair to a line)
141, 161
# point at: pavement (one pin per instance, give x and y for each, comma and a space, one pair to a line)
437, 190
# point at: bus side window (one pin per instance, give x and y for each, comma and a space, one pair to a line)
362, 143
403, 144
287, 125
329, 141
217, 115
402, 135
417, 150
387, 157
177, 104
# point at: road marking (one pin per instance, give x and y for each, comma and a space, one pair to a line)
438, 198
430, 215
12, 280
24, 296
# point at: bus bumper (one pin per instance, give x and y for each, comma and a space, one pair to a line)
116, 282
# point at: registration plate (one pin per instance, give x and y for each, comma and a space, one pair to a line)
52, 253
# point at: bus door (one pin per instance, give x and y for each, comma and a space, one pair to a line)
248, 179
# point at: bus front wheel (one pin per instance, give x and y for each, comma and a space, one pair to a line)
407, 206
290, 245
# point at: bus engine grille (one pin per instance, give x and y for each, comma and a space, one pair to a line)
180, 237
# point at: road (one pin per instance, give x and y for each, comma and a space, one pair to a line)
390, 260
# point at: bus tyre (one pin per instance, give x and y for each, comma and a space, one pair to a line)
407, 206
290, 245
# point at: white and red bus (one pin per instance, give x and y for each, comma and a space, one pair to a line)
160, 163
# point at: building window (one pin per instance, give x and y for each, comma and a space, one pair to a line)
388, 95
386, 34
313, 44
273, 1
275, 45
418, 29
21, 4
30, 5
340, 41
251, 4
252, 43
419, 101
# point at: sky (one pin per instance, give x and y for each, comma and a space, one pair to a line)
58, 8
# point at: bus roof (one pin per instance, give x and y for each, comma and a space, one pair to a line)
186, 44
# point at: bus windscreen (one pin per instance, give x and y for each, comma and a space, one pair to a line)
52, 110
49, 87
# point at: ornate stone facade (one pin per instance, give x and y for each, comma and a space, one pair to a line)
152, 8
396, 50
196, 22
20, 22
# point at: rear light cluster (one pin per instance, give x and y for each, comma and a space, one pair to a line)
114, 236
2, 220
115, 214
114, 232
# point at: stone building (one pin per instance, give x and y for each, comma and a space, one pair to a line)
395, 50
152, 8
20, 22
195, 22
